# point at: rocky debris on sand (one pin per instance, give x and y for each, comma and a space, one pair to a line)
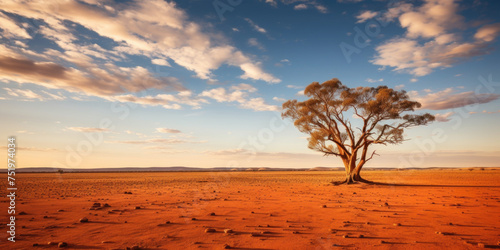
210, 230
62, 245
84, 219
228, 231
226, 246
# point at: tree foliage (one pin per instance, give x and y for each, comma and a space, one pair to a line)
384, 112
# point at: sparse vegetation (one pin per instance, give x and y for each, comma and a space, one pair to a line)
384, 115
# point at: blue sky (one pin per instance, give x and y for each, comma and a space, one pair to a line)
200, 83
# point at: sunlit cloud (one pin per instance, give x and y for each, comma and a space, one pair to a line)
168, 130
88, 129
239, 94
444, 117
434, 38
449, 99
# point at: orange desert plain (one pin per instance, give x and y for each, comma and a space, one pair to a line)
429, 209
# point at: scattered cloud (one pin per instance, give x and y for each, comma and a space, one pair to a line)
255, 43
414, 80
168, 130
444, 117
279, 99
88, 129
486, 112
488, 33
35, 149
23, 93
155, 29
366, 15
149, 141
294, 87
399, 87
300, 4
349, 1
237, 151
240, 94
374, 80
300, 7
449, 99
300, 93
161, 62
435, 38
255, 26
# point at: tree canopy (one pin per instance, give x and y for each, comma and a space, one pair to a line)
326, 116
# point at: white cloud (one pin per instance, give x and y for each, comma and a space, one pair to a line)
434, 38
449, 99
414, 80
88, 129
155, 29
10, 29
399, 87
300, 4
240, 95
162, 62
366, 15
444, 117
374, 80
300, 7
150, 141
255, 43
168, 130
488, 33
253, 71
279, 99
294, 87
23, 93
255, 26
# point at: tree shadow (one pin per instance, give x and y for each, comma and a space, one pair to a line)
376, 183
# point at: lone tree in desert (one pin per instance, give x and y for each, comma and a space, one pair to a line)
383, 114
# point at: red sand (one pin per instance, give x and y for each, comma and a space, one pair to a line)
284, 210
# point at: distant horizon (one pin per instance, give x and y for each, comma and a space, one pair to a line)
240, 168
191, 83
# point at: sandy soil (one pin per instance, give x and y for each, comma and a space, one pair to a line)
435, 209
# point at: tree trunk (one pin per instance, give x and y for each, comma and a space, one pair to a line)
352, 172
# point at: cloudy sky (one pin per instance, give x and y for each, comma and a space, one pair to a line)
86, 84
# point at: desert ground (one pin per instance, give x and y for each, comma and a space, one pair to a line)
429, 209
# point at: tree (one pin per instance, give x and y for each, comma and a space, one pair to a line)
383, 114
